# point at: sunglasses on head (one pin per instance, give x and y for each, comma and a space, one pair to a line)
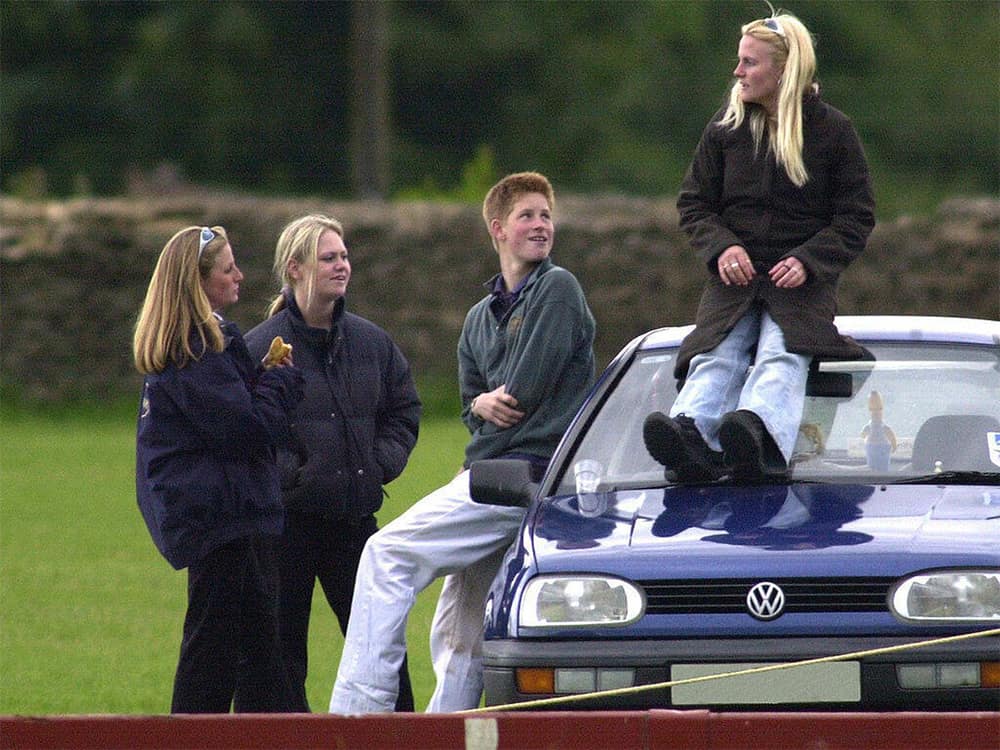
206, 236
773, 25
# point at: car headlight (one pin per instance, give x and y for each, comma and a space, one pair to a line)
578, 601
948, 595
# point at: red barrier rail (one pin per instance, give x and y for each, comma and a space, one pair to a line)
597, 730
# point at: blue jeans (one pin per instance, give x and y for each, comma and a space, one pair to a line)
771, 384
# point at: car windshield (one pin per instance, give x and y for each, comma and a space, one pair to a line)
918, 410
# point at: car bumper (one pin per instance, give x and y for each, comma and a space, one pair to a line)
869, 682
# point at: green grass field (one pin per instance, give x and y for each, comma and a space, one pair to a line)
90, 614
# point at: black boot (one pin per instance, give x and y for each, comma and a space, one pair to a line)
677, 444
748, 448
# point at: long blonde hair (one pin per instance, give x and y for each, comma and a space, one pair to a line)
299, 241
176, 304
792, 49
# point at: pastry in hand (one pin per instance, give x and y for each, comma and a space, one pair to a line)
277, 352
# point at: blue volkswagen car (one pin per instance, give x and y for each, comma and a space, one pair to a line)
876, 561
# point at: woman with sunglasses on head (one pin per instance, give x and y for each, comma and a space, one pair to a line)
206, 478
777, 202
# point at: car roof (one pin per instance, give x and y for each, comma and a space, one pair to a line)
875, 328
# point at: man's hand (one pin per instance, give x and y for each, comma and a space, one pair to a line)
497, 407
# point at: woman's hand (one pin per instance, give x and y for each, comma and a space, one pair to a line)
497, 407
735, 266
278, 355
788, 273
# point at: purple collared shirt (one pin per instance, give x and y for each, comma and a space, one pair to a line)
502, 299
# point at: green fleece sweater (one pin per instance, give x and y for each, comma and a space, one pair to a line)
542, 349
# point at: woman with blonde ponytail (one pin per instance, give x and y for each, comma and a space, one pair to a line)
777, 203
356, 426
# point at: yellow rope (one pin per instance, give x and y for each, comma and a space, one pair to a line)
756, 670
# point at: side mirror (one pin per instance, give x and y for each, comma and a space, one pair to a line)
502, 481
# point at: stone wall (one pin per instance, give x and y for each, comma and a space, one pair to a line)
73, 274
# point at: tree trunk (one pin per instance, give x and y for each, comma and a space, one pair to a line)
370, 137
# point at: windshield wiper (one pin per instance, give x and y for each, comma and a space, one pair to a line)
955, 477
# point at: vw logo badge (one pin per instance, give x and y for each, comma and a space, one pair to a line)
766, 600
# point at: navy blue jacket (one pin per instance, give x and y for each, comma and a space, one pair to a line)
205, 450
359, 419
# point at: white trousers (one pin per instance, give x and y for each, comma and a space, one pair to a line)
444, 534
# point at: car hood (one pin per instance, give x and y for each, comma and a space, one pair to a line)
722, 531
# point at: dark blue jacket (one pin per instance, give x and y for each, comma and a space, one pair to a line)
359, 419
205, 450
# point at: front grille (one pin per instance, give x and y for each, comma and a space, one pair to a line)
728, 596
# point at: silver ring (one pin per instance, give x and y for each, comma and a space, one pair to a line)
734, 265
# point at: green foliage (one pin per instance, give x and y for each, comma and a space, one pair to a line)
92, 615
601, 96
478, 176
